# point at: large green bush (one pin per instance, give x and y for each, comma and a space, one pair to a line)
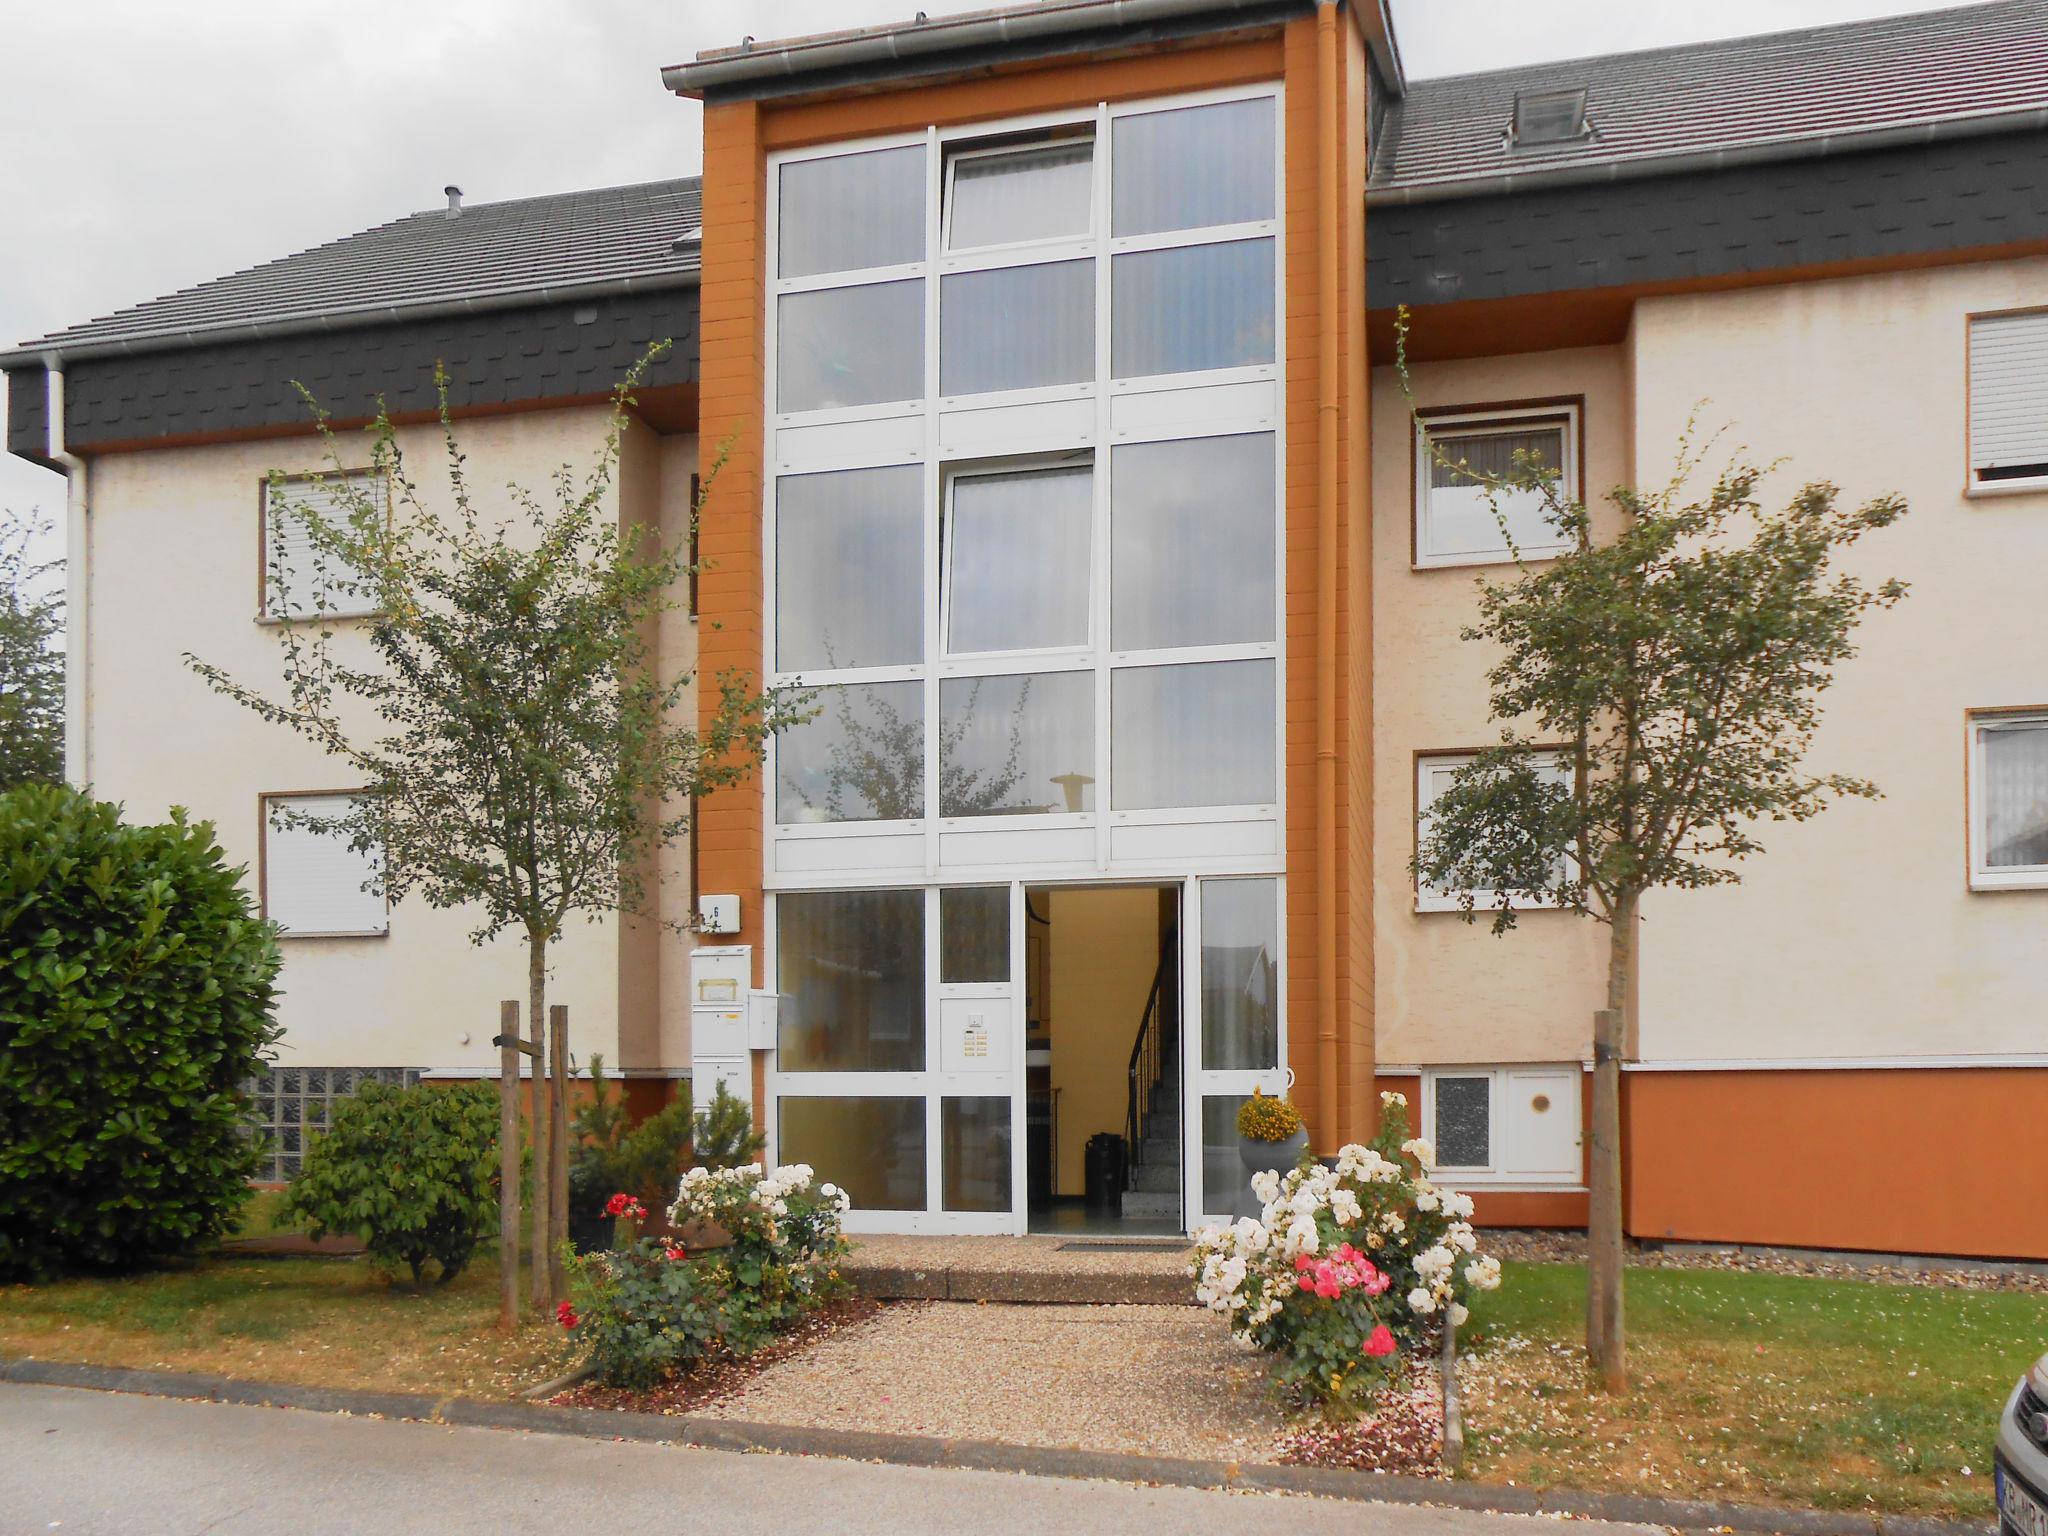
136, 986
412, 1171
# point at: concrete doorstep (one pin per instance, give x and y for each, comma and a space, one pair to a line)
983, 1455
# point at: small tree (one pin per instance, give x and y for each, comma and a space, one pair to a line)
521, 752
1682, 664
31, 657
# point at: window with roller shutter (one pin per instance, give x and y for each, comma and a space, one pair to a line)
314, 885
294, 581
2009, 402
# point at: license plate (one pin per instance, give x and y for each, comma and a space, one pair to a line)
2019, 1508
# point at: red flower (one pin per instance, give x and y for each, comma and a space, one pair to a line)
1380, 1342
676, 1251
627, 1206
566, 1315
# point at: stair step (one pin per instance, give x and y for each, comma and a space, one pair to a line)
1149, 1206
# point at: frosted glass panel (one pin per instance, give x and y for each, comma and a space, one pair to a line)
849, 569
1192, 531
1017, 327
838, 347
1193, 735
974, 933
1192, 307
850, 968
873, 1148
1017, 746
1018, 562
1240, 975
1224, 1175
1193, 166
2015, 795
974, 1154
847, 212
1463, 1131
860, 758
1028, 194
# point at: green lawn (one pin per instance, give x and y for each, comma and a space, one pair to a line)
319, 1322
1841, 1394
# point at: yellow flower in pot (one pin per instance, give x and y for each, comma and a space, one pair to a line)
1270, 1138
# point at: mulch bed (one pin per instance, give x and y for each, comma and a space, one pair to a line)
1404, 1433
712, 1380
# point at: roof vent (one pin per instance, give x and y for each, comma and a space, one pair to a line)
1549, 117
454, 201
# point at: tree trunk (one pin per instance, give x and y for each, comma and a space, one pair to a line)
508, 1166
558, 1133
539, 1113
1606, 1334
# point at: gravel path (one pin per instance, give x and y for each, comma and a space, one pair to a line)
1163, 1381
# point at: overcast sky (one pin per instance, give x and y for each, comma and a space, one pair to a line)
146, 146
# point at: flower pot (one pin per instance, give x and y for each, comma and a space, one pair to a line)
1265, 1157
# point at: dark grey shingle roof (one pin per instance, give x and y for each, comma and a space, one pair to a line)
1737, 95
618, 236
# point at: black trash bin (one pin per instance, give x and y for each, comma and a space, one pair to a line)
1103, 1174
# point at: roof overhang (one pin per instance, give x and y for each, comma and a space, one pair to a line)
869, 57
53, 351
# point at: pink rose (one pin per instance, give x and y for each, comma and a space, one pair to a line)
1380, 1342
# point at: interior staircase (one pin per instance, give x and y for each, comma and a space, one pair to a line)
1154, 1173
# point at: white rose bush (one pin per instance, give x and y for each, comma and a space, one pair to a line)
1349, 1270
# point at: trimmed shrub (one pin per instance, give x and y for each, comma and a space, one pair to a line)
136, 989
412, 1171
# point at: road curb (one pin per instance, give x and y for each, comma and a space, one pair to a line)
978, 1455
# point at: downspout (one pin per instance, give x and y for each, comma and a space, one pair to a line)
77, 587
1329, 224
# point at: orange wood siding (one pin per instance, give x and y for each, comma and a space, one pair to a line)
1887, 1160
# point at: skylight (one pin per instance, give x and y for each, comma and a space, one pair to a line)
1549, 117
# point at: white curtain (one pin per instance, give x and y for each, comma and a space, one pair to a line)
2015, 795
843, 213
1194, 735
1019, 561
1034, 194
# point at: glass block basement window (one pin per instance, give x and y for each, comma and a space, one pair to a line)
292, 1105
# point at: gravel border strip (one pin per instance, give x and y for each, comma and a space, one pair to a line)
982, 1455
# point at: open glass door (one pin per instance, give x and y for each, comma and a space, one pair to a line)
1236, 976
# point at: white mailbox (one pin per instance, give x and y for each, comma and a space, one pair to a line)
707, 1073
722, 1005
761, 1013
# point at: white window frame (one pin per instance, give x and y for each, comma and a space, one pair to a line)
1973, 483
1500, 1172
1450, 425
1983, 876
1050, 422
1025, 151
267, 506
1427, 900
381, 928
961, 663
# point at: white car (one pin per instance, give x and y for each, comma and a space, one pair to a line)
2022, 1456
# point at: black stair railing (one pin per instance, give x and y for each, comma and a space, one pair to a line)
1147, 1053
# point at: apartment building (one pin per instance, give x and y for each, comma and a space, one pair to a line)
1051, 353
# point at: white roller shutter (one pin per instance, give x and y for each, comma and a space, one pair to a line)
312, 881
286, 540
2008, 394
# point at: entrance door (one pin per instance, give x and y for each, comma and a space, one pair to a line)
976, 1106
1236, 1034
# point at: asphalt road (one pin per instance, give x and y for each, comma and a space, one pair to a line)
89, 1463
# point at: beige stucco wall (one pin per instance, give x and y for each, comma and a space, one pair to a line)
1856, 934
174, 569
1445, 990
